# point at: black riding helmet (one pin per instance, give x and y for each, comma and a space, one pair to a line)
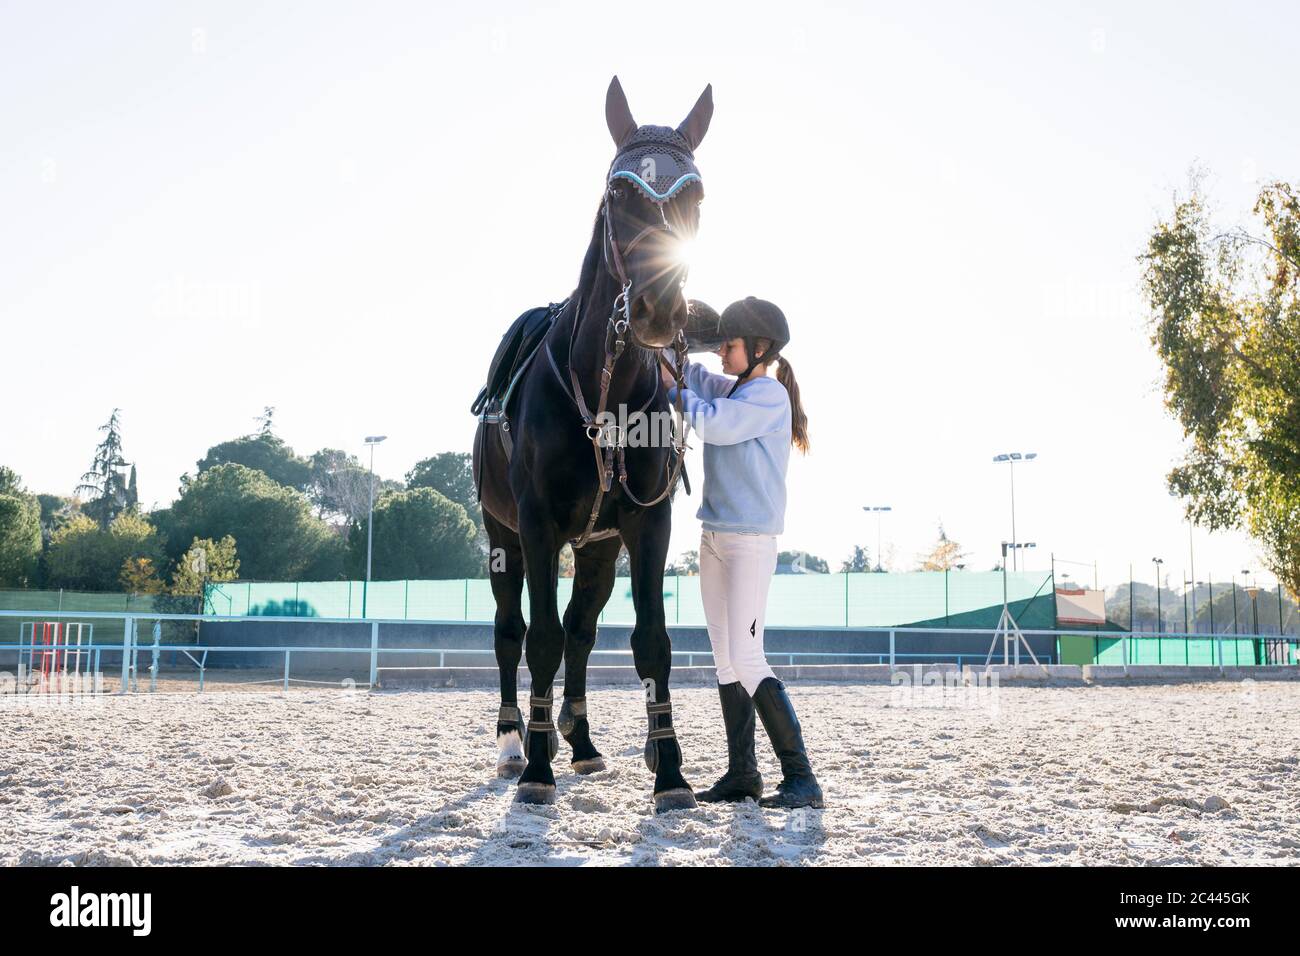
749, 319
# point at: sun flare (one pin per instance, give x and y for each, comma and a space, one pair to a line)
685, 251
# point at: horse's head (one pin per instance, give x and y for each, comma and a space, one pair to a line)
651, 213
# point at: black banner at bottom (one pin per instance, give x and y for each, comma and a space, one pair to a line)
223, 905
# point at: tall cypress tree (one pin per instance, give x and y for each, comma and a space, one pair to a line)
106, 488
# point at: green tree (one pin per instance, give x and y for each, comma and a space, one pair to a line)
84, 556
1144, 607
205, 562
264, 423
858, 561
264, 452
139, 576
1225, 322
279, 538
452, 474
107, 489
688, 562
622, 563
418, 534
56, 511
339, 486
809, 563
20, 531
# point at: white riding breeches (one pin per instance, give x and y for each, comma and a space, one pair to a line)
735, 574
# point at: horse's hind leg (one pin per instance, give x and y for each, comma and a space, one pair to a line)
593, 580
506, 573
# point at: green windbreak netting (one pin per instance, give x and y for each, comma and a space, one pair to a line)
921, 599
35, 600
1196, 651
97, 630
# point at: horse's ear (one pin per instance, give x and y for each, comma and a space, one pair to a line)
618, 117
696, 124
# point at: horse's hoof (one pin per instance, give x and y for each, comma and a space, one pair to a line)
511, 767
536, 794
591, 765
679, 799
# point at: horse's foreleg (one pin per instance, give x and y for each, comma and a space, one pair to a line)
593, 581
544, 645
652, 651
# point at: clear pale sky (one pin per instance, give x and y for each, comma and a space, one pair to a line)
336, 209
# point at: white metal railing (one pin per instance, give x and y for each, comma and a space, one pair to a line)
130, 646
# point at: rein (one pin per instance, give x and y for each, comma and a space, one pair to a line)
609, 441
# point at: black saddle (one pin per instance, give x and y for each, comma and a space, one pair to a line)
513, 355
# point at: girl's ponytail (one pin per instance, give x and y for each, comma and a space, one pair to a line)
798, 418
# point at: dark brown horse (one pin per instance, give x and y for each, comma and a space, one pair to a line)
540, 484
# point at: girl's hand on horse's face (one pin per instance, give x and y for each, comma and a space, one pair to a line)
666, 377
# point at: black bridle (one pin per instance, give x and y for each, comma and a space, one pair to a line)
614, 256
608, 441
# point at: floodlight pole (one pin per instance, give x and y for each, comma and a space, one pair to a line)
1011, 458
1015, 558
372, 441
880, 514
1186, 622
1160, 617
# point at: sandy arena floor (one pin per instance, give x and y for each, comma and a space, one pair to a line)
1194, 774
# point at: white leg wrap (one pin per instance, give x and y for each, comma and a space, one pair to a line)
509, 747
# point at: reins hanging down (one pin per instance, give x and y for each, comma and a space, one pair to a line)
609, 442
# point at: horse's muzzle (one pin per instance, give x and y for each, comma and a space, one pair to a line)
656, 327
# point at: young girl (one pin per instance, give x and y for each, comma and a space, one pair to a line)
747, 424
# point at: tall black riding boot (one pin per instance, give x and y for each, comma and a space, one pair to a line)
800, 787
742, 779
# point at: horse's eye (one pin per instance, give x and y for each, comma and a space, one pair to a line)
617, 193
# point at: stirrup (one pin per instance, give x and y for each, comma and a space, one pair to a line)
657, 733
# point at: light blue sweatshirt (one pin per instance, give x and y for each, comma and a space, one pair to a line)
746, 449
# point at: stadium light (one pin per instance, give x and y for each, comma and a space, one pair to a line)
1021, 544
372, 441
879, 511
1010, 458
